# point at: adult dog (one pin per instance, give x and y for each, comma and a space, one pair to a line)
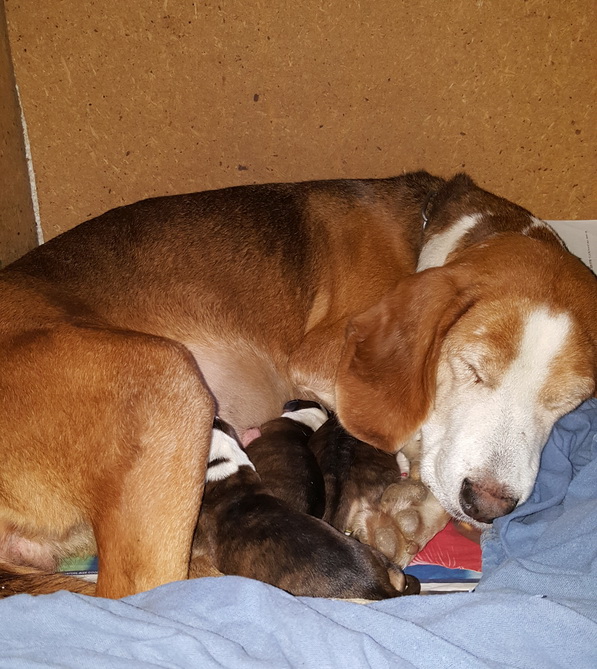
120, 338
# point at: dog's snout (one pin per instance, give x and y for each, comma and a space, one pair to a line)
485, 500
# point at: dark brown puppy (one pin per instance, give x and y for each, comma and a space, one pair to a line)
366, 494
244, 530
284, 461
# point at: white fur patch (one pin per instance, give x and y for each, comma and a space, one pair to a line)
538, 223
232, 456
439, 247
494, 431
311, 417
403, 464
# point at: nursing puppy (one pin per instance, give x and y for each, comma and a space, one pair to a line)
284, 461
244, 530
121, 338
367, 495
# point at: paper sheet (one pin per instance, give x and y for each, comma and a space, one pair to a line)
581, 239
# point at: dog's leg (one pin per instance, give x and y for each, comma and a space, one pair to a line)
416, 514
407, 517
128, 419
144, 525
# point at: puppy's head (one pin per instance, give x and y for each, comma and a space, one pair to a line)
482, 355
311, 415
226, 455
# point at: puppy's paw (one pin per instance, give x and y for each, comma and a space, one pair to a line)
416, 516
401, 496
379, 530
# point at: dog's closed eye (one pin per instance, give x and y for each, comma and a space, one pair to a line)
469, 371
473, 373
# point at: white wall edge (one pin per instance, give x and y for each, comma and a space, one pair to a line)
32, 183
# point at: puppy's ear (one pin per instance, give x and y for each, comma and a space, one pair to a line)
386, 378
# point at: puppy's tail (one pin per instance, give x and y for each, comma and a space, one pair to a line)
16, 580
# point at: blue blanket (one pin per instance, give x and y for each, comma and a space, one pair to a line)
536, 605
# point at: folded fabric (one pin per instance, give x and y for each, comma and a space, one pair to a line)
548, 546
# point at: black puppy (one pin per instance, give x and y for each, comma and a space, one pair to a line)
245, 530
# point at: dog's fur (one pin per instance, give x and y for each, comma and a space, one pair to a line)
245, 530
119, 339
491, 341
367, 496
285, 463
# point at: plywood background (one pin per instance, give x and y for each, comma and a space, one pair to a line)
126, 100
17, 222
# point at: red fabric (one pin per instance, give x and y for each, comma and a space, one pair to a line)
450, 549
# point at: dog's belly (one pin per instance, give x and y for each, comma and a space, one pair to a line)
43, 551
250, 387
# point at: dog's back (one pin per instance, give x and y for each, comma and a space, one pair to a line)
247, 531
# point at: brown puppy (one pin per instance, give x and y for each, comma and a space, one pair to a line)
120, 338
245, 530
283, 460
366, 495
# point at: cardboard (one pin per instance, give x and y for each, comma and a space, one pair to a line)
129, 100
17, 222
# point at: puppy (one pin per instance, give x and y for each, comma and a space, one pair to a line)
244, 530
367, 496
283, 460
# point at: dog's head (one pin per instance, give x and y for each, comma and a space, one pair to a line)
481, 355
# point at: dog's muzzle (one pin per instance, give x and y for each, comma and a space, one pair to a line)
485, 500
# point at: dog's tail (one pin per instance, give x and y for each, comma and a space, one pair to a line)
16, 580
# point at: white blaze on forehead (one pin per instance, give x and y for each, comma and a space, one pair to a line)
543, 338
225, 457
311, 417
439, 247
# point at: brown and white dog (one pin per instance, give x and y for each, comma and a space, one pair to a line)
120, 338
491, 341
245, 530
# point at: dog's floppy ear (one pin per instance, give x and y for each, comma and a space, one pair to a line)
386, 378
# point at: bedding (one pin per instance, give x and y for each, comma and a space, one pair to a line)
535, 606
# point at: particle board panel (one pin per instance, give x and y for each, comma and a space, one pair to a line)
129, 100
17, 221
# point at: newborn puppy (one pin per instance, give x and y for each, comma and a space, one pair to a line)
285, 462
244, 530
360, 486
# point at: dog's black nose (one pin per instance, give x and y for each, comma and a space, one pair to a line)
486, 500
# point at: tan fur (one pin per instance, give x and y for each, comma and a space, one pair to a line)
393, 349
105, 416
119, 338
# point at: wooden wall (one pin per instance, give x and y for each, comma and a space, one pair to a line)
17, 221
126, 100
